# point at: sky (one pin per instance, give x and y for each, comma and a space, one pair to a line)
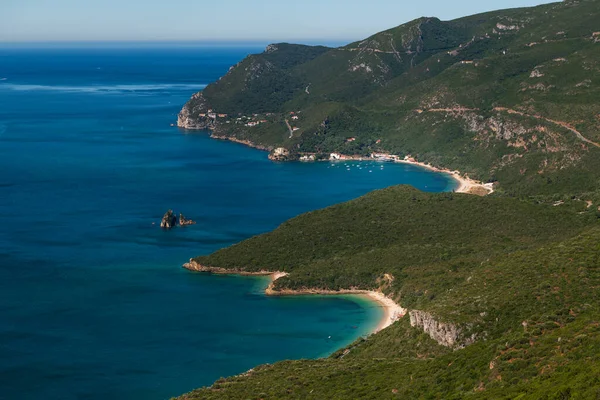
223, 20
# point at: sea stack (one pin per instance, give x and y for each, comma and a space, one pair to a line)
169, 220
183, 221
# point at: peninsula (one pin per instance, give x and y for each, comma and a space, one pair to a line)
499, 291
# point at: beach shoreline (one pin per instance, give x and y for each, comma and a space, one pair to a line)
391, 310
465, 184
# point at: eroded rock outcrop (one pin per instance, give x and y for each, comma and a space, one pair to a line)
169, 220
183, 221
196, 114
279, 154
446, 334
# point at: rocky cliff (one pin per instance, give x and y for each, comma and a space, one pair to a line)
195, 116
446, 334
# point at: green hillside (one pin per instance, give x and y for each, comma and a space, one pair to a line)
355, 243
508, 96
519, 279
502, 291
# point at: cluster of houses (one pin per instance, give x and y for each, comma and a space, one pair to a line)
242, 119
212, 114
294, 118
375, 156
255, 123
249, 121
385, 157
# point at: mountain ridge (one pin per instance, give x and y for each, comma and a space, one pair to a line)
385, 94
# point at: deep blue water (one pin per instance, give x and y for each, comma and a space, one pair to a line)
93, 301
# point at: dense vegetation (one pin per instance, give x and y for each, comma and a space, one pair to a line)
522, 277
268, 80
509, 96
444, 92
354, 243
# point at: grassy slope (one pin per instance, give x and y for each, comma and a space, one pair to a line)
506, 263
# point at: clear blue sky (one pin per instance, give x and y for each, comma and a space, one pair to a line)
232, 20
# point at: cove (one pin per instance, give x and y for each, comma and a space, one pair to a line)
95, 303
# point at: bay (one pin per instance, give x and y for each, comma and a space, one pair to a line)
93, 300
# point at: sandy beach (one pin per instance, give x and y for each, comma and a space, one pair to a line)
465, 184
391, 311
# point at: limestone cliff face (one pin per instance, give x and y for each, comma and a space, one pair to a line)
446, 334
196, 115
279, 154
194, 266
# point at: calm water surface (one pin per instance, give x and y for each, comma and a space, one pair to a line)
93, 301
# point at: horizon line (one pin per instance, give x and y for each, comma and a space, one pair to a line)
180, 41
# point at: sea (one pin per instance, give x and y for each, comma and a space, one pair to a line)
94, 303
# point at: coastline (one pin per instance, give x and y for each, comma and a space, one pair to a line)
391, 310
240, 141
465, 184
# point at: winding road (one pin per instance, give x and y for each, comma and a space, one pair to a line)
515, 112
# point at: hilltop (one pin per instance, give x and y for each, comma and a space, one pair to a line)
509, 96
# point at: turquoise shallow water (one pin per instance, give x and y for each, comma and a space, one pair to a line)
93, 301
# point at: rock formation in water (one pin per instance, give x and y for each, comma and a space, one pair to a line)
183, 221
169, 220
